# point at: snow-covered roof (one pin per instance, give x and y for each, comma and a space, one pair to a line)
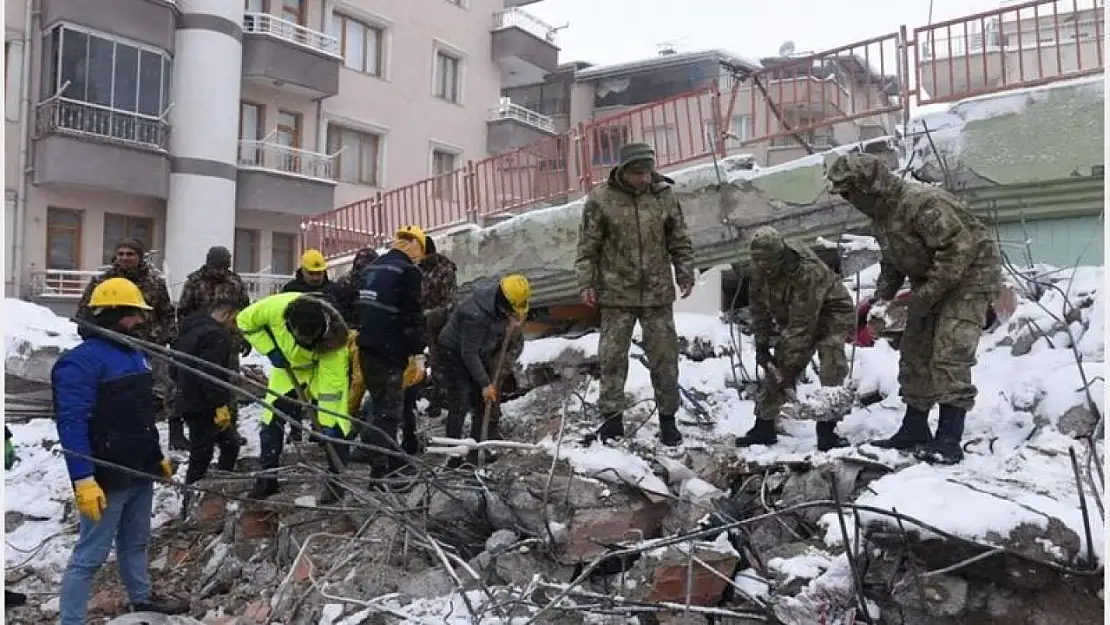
665, 60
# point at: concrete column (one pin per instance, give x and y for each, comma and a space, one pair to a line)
204, 139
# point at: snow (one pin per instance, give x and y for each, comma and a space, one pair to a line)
28, 328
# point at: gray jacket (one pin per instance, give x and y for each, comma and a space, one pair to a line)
474, 330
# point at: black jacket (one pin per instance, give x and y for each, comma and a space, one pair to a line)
475, 329
202, 336
391, 317
298, 285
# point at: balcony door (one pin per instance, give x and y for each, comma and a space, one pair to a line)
293, 11
289, 137
250, 134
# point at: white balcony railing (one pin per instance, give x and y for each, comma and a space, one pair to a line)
505, 109
519, 18
282, 158
69, 284
65, 116
261, 285
266, 24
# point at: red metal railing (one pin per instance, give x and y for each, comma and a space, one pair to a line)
841, 96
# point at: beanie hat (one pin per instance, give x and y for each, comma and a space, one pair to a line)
636, 153
132, 243
218, 257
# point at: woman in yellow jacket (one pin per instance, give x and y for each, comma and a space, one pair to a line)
414, 374
305, 339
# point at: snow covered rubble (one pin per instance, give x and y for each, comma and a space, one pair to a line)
526, 528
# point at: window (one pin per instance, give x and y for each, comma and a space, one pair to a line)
607, 144
447, 77
257, 6
251, 119
13, 70
362, 46
289, 129
246, 251
359, 158
120, 227
63, 238
293, 11
284, 254
443, 163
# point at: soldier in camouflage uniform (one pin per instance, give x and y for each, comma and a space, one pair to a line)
161, 326
345, 289
213, 282
796, 299
929, 237
441, 288
632, 233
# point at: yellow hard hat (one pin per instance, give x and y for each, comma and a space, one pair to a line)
516, 289
313, 260
117, 293
413, 232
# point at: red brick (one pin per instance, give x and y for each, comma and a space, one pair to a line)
304, 568
593, 528
212, 509
258, 523
668, 579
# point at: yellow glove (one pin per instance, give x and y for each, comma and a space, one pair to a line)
490, 393
223, 417
167, 468
414, 374
89, 498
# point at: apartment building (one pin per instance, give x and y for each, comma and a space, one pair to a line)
191, 123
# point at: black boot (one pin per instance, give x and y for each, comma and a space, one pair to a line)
827, 438
611, 429
668, 431
762, 433
178, 442
913, 433
946, 447
263, 488
161, 605
13, 599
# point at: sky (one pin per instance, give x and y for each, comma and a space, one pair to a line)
616, 31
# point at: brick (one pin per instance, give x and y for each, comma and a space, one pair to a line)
668, 578
212, 509
258, 524
593, 528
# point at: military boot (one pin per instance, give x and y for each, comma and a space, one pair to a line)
946, 447
913, 433
161, 605
178, 442
827, 438
762, 433
263, 488
612, 429
669, 435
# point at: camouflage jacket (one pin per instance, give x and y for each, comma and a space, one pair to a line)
204, 286
929, 237
801, 302
440, 285
161, 325
628, 242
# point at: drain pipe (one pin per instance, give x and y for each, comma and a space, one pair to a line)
326, 10
18, 223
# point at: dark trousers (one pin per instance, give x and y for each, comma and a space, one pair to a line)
204, 438
387, 398
271, 436
463, 395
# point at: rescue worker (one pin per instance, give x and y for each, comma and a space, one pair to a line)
440, 290
470, 346
213, 282
953, 264
392, 329
211, 336
414, 375
345, 291
161, 322
800, 307
312, 277
12, 599
632, 232
105, 410
305, 339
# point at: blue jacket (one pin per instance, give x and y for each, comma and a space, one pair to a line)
391, 317
104, 406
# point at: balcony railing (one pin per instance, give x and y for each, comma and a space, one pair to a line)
505, 109
525, 21
263, 284
69, 284
266, 24
282, 158
72, 117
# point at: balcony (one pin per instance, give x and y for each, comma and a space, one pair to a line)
280, 179
512, 126
151, 22
283, 55
524, 47
80, 144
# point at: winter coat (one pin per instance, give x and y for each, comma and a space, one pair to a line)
344, 294
391, 318
299, 285
629, 241
161, 324
439, 288
323, 371
475, 329
205, 286
202, 336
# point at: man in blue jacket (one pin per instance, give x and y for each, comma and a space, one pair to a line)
105, 408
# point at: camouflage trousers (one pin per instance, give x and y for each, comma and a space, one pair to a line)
660, 346
938, 351
164, 388
832, 368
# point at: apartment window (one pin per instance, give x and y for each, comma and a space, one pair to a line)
120, 227
246, 251
358, 161
251, 120
105, 71
293, 11
362, 45
447, 77
63, 238
607, 142
284, 254
289, 129
13, 70
443, 163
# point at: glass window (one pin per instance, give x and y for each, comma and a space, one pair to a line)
284, 254
293, 11
361, 44
246, 251
289, 129
119, 227
354, 44
443, 163
100, 70
63, 238
150, 83
75, 49
99, 76
357, 161
447, 77
125, 90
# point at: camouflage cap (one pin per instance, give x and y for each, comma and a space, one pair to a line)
854, 169
767, 245
636, 153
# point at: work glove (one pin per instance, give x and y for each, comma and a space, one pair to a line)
489, 394
277, 359
223, 417
89, 498
414, 374
167, 467
9, 454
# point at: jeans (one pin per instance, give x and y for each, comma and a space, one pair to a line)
126, 521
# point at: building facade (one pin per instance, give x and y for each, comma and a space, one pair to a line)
192, 123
